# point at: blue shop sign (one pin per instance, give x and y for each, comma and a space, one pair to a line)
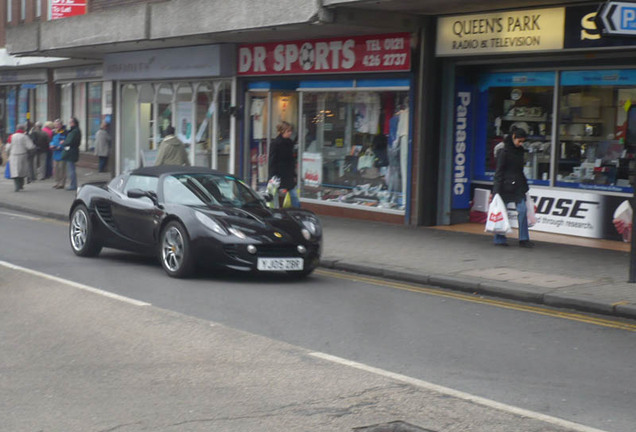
518, 79
614, 77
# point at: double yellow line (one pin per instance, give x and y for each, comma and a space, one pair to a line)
616, 324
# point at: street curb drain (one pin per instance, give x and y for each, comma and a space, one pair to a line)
395, 426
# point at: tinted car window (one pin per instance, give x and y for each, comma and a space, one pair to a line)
205, 189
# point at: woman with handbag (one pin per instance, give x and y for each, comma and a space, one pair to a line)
511, 184
282, 162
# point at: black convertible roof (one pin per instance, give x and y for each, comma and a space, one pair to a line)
159, 170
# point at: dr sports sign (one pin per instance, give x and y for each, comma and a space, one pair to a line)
380, 53
502, 32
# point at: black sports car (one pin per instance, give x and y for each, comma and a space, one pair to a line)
193, 215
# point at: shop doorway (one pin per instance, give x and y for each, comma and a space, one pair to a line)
267, 109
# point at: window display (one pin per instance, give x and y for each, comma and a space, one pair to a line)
593, 117
518, 101
590, 130
355, 147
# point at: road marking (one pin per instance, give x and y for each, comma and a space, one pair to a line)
75, 284
491, 302
457, 394
23, 216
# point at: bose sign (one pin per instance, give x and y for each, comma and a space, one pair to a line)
462, 148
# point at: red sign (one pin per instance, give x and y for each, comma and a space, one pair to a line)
379, 53
66, 8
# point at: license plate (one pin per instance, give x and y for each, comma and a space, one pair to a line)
279, 264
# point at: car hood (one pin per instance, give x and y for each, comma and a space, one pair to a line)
256, 221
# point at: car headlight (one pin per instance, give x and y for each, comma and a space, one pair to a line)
240, 234
210, 223
309, 223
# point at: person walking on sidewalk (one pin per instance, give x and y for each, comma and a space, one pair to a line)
71, 151
102, 145
282, 162
41, 141
18, 148
511, 184
171, 150
57, 147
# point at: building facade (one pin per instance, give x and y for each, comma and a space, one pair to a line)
396, 105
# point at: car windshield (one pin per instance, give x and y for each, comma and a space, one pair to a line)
206, 189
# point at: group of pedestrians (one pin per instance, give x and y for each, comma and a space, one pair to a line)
48, 150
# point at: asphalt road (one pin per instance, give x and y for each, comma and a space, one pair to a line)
568, 367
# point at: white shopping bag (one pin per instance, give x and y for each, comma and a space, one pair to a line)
497, 221
513, 215
530, 211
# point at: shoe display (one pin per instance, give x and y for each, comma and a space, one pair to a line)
526, 244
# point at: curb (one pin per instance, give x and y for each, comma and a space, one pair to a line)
496, 289
41, 213
489, 288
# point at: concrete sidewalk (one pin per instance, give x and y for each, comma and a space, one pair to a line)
566, 276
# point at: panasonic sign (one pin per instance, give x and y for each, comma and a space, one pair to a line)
461, 150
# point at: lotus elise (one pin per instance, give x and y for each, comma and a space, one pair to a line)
191, 216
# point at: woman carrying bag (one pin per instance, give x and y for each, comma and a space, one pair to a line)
282, 163
511, 184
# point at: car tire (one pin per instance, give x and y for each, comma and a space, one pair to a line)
175, 253
82, 233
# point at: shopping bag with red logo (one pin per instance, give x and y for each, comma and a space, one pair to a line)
497, 221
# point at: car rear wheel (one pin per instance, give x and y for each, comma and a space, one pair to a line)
175, 253
82, 233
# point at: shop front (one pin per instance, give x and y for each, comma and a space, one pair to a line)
192, 89
23, 97
349, 102
84, 94
574, 111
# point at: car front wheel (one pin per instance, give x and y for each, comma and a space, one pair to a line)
175, 254
82, 234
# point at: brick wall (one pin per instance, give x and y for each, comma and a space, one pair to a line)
97, 5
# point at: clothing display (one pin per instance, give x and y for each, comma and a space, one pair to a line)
366, 108
258, 131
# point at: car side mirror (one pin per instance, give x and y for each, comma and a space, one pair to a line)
138, 193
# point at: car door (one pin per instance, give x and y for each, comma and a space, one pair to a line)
136, 218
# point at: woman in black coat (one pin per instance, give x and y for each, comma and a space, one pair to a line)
282, 162
511, 184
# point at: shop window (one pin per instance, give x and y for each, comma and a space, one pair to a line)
511, 101
165, 97
79, 110
41, 103
355, 147
223, 104
184, 116
593, 121
128, 150
66, 102
94, 111
204, 125
259, 129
